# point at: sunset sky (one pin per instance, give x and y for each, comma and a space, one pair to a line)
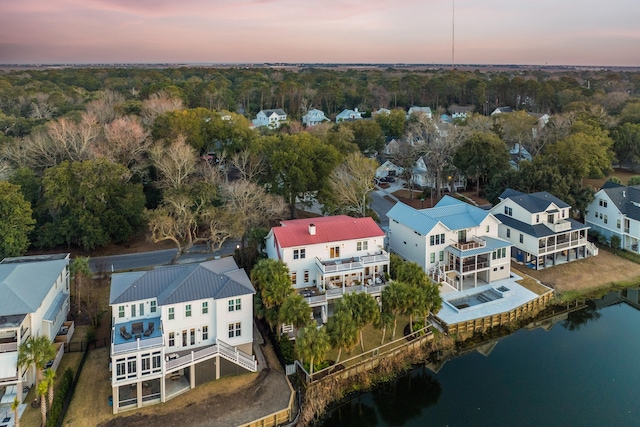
554, 32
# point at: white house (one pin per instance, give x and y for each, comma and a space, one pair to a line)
454, 242
502, 110
314, 117
34, 302
381, 110
615, 211
348, 115
177, 327
540, 228
423, 179
461, 111
422, 110
270, 118
330, 256
388, 169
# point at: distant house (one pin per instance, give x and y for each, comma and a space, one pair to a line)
314, 117
422, 178
177, 327
392, 146
501, 110
454, 242
348, 115
461, 111
388, 169
517, 154
34, 301
422, 110
380, 111
270, 118
615, 211
540, 228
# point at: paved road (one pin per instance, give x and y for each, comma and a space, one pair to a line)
149, 259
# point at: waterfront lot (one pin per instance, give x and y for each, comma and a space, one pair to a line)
587, 274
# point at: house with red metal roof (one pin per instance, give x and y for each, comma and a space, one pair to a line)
330, 256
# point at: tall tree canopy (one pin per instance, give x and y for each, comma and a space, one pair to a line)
16, 221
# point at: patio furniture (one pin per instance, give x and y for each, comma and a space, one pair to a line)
124, 334
137, 329
149, 330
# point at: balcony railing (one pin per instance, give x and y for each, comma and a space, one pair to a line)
222, 349
8, 347
559, 226
352, 263
138, 344
336, 293
562, 246
472, 243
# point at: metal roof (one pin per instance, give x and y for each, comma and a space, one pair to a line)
26, 281
450, 212
626, 198
534, 202
537, 230
55, 308
216, 279
295, 233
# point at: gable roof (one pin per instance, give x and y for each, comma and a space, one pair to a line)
174, 284
26, 281
534, 202
502, 110
277, 111
450, 212
293, 233
626, 198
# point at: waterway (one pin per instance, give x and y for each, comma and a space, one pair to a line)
584, 371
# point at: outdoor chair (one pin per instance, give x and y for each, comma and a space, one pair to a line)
149, 330
124, 334
137, 329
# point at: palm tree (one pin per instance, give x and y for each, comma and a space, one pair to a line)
80, 271
312, 343
384, 321
49, 377
343, 332
15, 407
36, 351
364, 311
272, 279
393, 300
295, 311
42, 390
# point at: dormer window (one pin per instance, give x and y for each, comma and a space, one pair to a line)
508, 211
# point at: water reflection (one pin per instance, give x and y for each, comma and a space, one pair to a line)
354, 413
576, 319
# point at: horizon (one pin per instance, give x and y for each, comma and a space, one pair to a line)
577, 33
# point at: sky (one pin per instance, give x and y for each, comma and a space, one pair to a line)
553, 32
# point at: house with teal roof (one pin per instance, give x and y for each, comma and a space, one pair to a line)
456, 243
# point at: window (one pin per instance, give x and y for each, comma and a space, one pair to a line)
508, 232
131, 368
299, 253
362, 246
121, 308
438, 239
192, 336
187, 310
235, 305
172, 314
234, 330
205, 307
504, 252
294, 277
141, 309
606, 219
303, 253
306, 276
487, 230
172, 339
145, 363
603, 203
432, 257
120, 369
155, 362
205, 333
334, 252
133, 310
153, 307
432, 240
521, 238
537, 218
618, 224
508, 211
441, 256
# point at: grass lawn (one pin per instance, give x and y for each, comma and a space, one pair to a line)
586, 275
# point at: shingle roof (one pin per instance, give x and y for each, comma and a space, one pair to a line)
328, 229
216, 279
536, 230
625, 198
25, 284
534, 202
278, 111
452, 213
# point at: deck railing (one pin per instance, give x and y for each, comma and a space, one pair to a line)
138, 344
222, 349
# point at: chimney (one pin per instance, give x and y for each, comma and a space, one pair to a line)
624, 193
312, 229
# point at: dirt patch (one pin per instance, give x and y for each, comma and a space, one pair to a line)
622, 174
585, 274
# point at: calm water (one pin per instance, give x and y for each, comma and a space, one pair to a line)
585, 371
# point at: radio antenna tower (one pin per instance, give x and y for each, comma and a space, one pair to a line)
453, 35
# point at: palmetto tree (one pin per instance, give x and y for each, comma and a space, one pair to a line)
15, 406
42, 391
342, 330
393, 297
295, 311
80, 272
364, 311
272, 279
312, 343
49, 378
36, 351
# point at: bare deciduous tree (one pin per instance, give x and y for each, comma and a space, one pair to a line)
126, 142
176, 163
106, 108
250, 166
157, 104
41, 107
351, 182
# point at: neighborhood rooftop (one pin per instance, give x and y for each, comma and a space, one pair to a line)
181, 283
534, 202
327, 229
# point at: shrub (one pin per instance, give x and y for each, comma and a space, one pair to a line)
634, 180
286, 349
55, 412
